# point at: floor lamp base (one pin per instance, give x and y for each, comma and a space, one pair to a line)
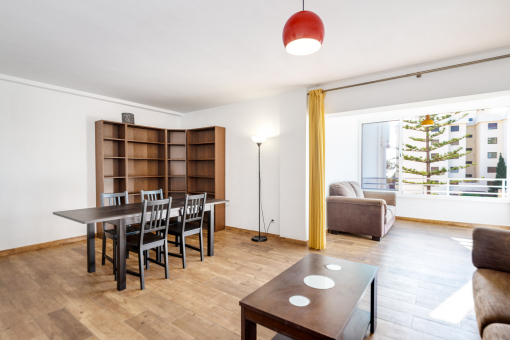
259, 238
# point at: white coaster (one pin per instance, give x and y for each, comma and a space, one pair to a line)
319, 282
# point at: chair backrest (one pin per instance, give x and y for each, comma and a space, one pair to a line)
155, 217
113, 199
152, 195
193, 210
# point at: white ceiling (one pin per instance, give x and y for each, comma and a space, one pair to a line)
186, 55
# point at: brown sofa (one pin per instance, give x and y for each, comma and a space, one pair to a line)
353, 210
491, 282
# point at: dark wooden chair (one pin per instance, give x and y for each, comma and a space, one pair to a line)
152, 195
153, 234
114, 199
192, 219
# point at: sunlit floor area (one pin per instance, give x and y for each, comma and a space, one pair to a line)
424, 288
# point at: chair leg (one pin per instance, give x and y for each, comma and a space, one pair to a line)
103, 258
183, 251
200, 237
165, 258
177, 241
140, 268
127, 254
147, 259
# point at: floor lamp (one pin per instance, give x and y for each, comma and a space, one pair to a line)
259, 140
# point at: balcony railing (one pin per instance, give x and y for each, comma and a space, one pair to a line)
474, 187
379, 183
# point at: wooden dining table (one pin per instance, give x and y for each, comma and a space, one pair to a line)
128, 214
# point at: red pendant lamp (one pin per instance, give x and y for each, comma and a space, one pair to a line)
303, 33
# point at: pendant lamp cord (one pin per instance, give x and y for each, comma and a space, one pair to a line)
303, 5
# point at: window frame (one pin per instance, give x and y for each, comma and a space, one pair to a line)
399, 192
495, 155
454, 126
360, 151
489, 126
489, 138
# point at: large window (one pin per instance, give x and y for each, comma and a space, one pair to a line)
410, 158
380, 155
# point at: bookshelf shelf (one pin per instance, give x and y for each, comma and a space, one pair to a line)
139, 141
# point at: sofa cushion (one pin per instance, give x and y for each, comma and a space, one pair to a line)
342, 189
357, 189
496, 331
491, 290
391, 211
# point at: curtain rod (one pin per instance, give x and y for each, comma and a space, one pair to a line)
418, 74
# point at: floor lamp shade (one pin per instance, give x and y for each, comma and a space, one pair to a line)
258, 139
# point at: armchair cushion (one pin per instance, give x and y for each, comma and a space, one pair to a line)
357, 189
343, 189
389, 196
491, 291
491, 249
350, 189
496, 331
391, 211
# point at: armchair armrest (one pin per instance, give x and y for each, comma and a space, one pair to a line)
389, 196
491, 249
357, 201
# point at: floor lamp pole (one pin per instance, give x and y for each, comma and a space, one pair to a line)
259, 238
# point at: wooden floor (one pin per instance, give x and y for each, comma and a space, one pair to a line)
424, 288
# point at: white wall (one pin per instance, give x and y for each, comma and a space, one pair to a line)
47, 151
283, 161
242, 121
476, 79
294, 165
342, 154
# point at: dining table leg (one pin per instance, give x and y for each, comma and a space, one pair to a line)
210, 232
121, 255
91, 247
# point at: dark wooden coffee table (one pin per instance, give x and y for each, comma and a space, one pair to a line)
332, 313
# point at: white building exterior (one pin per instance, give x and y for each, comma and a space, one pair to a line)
482, 125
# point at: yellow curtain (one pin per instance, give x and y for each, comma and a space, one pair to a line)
317, 215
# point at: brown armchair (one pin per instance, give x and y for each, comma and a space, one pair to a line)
353, 210
491, 282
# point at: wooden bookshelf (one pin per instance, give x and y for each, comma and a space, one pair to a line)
176, 163
133, 158
206, 166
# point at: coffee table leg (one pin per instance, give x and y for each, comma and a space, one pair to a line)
91, 248
373, 305
248, 328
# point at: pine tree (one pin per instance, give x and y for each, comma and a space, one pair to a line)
440, 123
500, 173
